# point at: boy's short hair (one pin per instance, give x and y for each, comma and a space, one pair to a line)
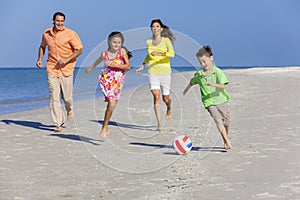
205, 50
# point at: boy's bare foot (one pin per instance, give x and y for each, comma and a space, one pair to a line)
159, 128
104, 133
70, 115
227, 146
168, 114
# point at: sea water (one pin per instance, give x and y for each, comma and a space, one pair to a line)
27, 88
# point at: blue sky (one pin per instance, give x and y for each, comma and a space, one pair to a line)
241, 33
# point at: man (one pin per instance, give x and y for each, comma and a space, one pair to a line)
64, 46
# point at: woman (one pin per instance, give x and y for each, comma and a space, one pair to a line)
160, 50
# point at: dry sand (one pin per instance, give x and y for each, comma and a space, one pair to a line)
136, 162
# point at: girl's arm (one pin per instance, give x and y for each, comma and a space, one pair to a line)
125, 66
188, 87
220, 86
97, 62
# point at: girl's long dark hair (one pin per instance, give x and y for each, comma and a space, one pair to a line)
166, 32
120, 35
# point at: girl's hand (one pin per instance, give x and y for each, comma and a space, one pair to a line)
108, 62
89, 69
138, 70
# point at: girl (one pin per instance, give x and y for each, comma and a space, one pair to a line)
160, 49
111, 79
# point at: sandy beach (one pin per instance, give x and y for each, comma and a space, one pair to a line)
137, 162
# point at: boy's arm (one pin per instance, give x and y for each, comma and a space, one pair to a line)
220, 86
188, 87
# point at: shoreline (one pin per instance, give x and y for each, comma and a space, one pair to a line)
43, 102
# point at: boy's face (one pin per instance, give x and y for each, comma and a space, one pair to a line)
206, 61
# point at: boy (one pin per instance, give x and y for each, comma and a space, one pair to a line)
212, 82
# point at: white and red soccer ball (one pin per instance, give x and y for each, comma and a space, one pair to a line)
182, 144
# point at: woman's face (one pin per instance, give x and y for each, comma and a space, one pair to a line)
116, 43
156, 28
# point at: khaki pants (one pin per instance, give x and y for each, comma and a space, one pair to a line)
220, 114
56, 86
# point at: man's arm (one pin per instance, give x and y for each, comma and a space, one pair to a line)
41, 54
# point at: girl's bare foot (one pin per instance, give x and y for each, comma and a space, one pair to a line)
104, 133
227, 146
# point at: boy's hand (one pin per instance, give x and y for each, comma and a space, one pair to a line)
187, 89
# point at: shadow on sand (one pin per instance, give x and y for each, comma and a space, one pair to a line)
41, 126
138, 127
31, 124
159, 146
77, 138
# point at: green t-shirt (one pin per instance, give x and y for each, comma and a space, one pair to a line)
211, 95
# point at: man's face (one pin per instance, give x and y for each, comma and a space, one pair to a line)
59, 22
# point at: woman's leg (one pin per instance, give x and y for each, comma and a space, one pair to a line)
156, 98
167, 101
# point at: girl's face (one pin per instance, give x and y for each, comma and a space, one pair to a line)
116, 43
206, 61
156, 28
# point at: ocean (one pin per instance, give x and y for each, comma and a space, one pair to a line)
26, 88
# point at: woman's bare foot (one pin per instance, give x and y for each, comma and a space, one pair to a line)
104, 133
168, 114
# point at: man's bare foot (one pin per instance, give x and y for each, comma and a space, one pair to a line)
168, 114
70, 115
104, 133
227, 146
58, 129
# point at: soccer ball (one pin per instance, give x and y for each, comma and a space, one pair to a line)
182, 144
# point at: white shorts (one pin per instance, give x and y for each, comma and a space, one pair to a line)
160, 82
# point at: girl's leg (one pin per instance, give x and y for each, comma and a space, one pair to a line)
156, 98
167, 101
108, 113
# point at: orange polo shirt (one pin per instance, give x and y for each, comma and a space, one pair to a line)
60, 45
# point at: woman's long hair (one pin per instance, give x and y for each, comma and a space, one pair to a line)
166, 32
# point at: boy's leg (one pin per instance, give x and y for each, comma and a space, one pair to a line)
218, 118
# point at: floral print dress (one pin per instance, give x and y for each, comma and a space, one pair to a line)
112, 79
